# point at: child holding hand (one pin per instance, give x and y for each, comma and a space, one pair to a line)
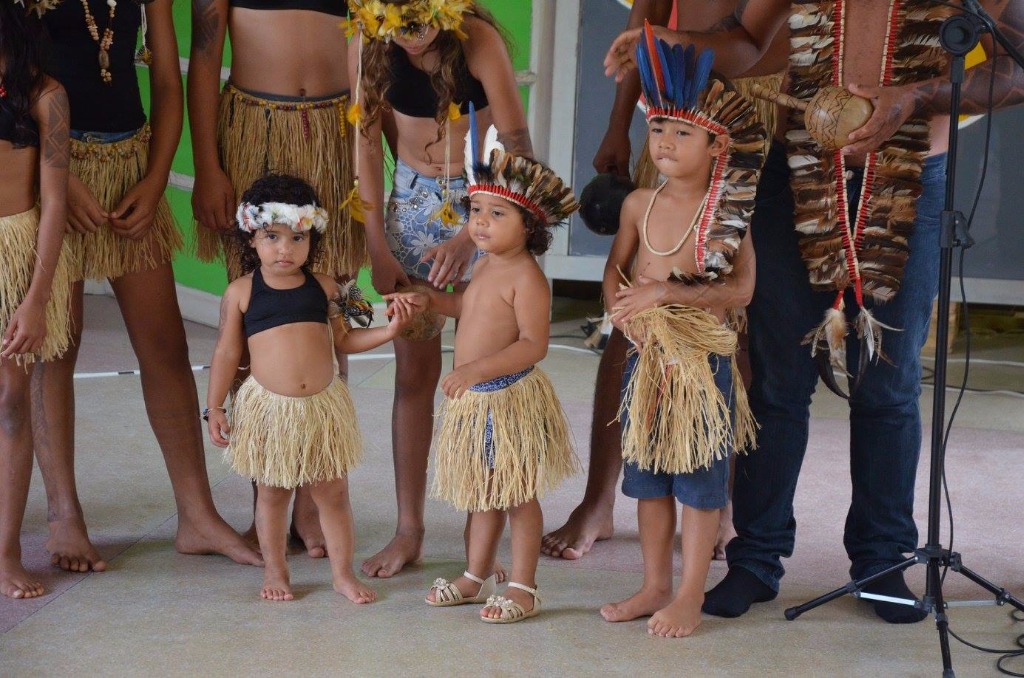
503, 437
293, 422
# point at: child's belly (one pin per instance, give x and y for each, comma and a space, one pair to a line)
293, 360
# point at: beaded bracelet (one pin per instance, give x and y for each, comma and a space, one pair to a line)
206, 412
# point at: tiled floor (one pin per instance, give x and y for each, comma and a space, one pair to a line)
156, 612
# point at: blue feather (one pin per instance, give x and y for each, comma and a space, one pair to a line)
474, 137
665, 57
679, 78
647, 80
702, 73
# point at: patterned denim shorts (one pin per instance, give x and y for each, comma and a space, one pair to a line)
409, 223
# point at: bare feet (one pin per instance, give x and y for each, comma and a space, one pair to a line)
69, 546
726, 531
524, 598
349, 586
306, 525
585, 526
403, 550
643, 603
251, 538
678, 619
16, 582
276, 585
214, 536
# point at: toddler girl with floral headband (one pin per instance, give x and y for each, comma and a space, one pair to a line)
292, 423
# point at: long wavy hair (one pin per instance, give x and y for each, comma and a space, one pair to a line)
23, 50
377, 75
277, 188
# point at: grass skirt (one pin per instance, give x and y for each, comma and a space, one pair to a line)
110, 170
18, 235
283, 441
645, 174
530, 446
679, 421
310, 140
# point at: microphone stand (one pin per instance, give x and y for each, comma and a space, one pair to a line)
959, 35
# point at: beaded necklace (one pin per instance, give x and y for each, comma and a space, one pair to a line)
105, 41
698, 217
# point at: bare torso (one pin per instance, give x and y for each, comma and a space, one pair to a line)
284, 52
18, 169
488, 321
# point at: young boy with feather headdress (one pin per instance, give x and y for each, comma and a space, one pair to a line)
503, 439
683, 409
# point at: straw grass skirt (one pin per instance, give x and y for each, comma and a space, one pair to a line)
109, 170
645, 174
499, 448
679, 421
307, 139
18, 235
283, 441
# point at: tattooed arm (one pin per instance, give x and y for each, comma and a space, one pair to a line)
27, 328
490, 63
213, 200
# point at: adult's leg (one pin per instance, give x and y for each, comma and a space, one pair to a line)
781, 313
53, 406
150, 310
418, 369
335, 510
591, 521
682, 616
885, 418
526, 523
656, 520
271, 518
16, 474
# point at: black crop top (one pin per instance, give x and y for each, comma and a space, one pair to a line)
412, 94
270, 307
95, 105
7, 127
332, 7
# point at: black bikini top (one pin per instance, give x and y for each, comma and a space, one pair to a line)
7, 131
269, 307
332, 7
412, 94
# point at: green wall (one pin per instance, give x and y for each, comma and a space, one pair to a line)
514, 15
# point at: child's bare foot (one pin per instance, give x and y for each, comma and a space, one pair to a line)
643, 603
69, 546
586, 525
678, 619
726, 531
16, 582
306, 525
524, 598
211, 535
276, 585
349, 586
403, 550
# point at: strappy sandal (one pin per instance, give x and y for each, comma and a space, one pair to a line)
511, 611
448, 594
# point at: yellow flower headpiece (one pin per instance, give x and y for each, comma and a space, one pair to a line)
379, 20
40, 7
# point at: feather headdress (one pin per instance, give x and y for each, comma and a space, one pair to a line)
525, 182
378, 20
678, 84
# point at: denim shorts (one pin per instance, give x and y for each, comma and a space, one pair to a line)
706, 489
409, 223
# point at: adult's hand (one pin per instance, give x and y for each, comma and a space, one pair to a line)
386, 273
213, 200
621, 56
84, 212
613, 154
451, 261
133, 217
893, 105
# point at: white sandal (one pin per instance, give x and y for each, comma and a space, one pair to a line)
511, 611
448, 594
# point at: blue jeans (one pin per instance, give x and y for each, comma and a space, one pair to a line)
885, 422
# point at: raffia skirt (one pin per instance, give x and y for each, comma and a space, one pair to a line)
645, 174
283, 441
502, 443
678, 419
109, 170
307, 138
18, 235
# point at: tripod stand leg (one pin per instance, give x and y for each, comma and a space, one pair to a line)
1002, 595
850, 588
933, 596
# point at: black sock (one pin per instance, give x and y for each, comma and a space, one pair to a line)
895, 613
734, 595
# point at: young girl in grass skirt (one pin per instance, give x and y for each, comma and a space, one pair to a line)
293, 422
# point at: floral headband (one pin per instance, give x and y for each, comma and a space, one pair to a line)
382, 21
40, 7
299, 218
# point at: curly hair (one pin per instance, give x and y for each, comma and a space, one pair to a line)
23, 53
277, 188
538, 235
378, 78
